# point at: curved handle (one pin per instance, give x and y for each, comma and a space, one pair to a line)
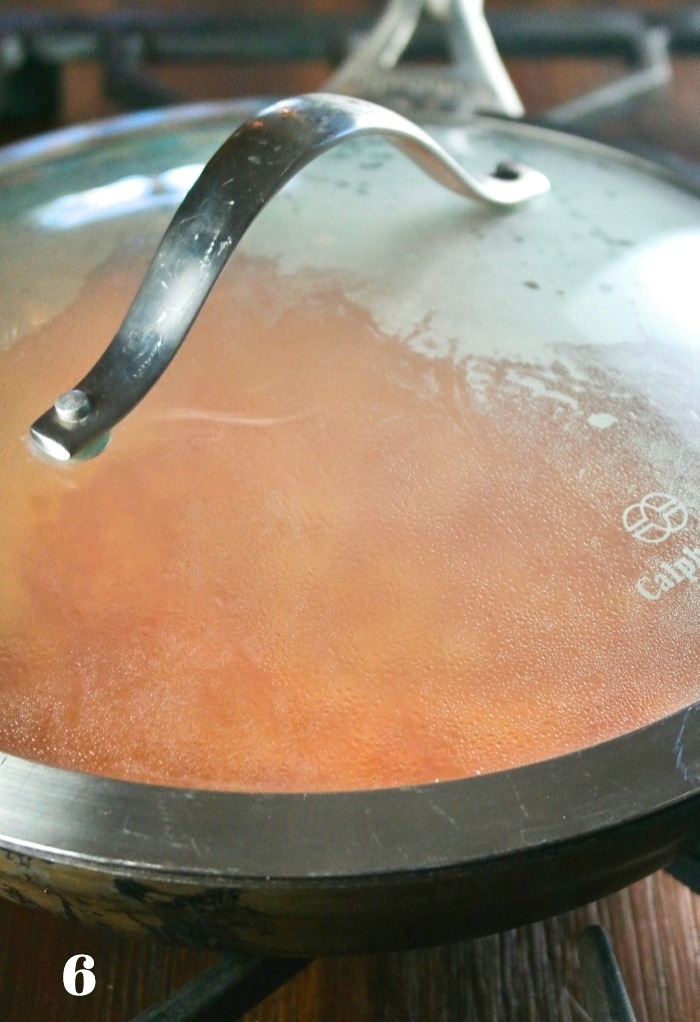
475, 79
241, 178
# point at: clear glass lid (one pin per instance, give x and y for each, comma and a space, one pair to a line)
417, 500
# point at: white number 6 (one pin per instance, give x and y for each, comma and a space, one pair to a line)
71, 973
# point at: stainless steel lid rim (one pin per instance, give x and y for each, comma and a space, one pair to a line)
339, 915
132, 828
75, 140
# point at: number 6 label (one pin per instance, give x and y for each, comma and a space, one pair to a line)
87, 977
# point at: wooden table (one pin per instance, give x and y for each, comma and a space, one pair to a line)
525, 975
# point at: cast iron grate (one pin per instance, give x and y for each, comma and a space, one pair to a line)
36, 45
226, 991
236, 984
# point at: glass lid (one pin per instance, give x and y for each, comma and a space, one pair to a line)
417, 499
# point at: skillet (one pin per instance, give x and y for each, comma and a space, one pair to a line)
308, 873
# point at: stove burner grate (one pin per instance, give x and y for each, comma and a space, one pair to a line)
36, 45
238, 983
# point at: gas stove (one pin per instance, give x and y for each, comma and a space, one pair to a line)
628, 76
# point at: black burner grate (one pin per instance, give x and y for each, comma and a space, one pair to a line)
226, 991
35, 46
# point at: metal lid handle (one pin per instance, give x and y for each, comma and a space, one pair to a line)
239, 180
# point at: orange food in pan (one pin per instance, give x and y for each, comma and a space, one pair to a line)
316, 559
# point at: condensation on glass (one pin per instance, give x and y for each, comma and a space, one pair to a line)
417, 500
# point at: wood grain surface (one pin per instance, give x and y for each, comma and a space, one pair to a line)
525, 975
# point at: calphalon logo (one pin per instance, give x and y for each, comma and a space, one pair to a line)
656, 517
669, 574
